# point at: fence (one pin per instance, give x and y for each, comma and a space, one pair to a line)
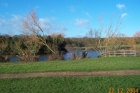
118, 53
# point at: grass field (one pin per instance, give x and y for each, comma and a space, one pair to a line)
95, 64
102, 84
70, 84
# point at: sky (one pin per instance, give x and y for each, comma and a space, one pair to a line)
74, 18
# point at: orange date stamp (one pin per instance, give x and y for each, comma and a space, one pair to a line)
122, 90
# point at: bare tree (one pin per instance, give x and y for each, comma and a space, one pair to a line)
93, 33
137, 37
31, 27
108, 38
137, 34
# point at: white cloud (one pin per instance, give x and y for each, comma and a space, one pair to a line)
12, 25
16, 17
72, 9
81, 22
45, 23
124, 15
16, 21
61, 27
120, 6
48, 26
87, 14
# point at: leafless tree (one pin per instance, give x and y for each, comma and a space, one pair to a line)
32, 27
136, 36
108, 38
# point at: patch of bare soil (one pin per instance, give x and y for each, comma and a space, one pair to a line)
71, 74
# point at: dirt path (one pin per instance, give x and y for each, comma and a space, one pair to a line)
61, 74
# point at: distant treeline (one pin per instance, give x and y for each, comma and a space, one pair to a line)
20, 44
126, 42
29, 45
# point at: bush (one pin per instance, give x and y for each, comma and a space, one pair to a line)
29, 58
4, 59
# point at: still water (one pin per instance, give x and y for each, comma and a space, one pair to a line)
67, 56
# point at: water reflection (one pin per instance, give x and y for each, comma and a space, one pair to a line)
91, 54
43, 58
14, 59
67, 56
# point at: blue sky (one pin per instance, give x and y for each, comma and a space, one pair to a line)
74, 18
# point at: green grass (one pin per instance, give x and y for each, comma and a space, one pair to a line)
69, 84
96, 64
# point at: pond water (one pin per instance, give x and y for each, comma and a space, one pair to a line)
67, 56
90, 53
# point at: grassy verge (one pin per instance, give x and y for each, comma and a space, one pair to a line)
70, 84
96, 64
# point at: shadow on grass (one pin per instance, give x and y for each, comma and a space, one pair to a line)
137, 88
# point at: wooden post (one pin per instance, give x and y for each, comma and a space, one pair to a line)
124, 52
135, 52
